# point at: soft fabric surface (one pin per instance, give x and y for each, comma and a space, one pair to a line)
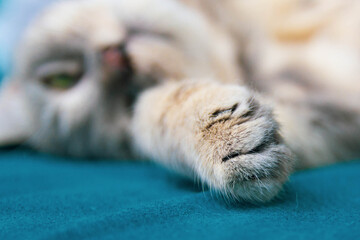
46, 197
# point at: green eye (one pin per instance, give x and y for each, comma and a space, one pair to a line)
61, 81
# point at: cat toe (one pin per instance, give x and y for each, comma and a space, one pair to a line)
256, 176
245, 152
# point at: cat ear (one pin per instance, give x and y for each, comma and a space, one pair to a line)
15, 120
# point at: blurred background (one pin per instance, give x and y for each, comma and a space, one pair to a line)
15, 15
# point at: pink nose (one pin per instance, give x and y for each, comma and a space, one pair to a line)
114, 58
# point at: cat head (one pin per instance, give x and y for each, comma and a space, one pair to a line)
81, 65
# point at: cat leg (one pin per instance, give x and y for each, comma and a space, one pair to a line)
221, 134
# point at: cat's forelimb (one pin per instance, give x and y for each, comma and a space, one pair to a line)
220, 134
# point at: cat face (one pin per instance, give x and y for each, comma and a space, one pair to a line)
82, 64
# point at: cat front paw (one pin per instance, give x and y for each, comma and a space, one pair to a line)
242, 153
221, 134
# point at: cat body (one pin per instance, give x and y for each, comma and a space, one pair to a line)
223, 92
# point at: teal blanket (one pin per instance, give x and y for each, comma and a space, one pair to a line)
46, 197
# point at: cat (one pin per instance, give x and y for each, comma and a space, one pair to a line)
233, 93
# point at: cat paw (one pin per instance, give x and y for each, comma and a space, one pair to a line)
242, 153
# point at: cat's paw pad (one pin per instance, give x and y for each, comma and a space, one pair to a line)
242, 150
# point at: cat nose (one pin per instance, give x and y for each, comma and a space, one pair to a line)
116, 58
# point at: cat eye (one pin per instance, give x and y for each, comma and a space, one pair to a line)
61, 81
60, 75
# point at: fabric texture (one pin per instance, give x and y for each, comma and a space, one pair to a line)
47, 197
